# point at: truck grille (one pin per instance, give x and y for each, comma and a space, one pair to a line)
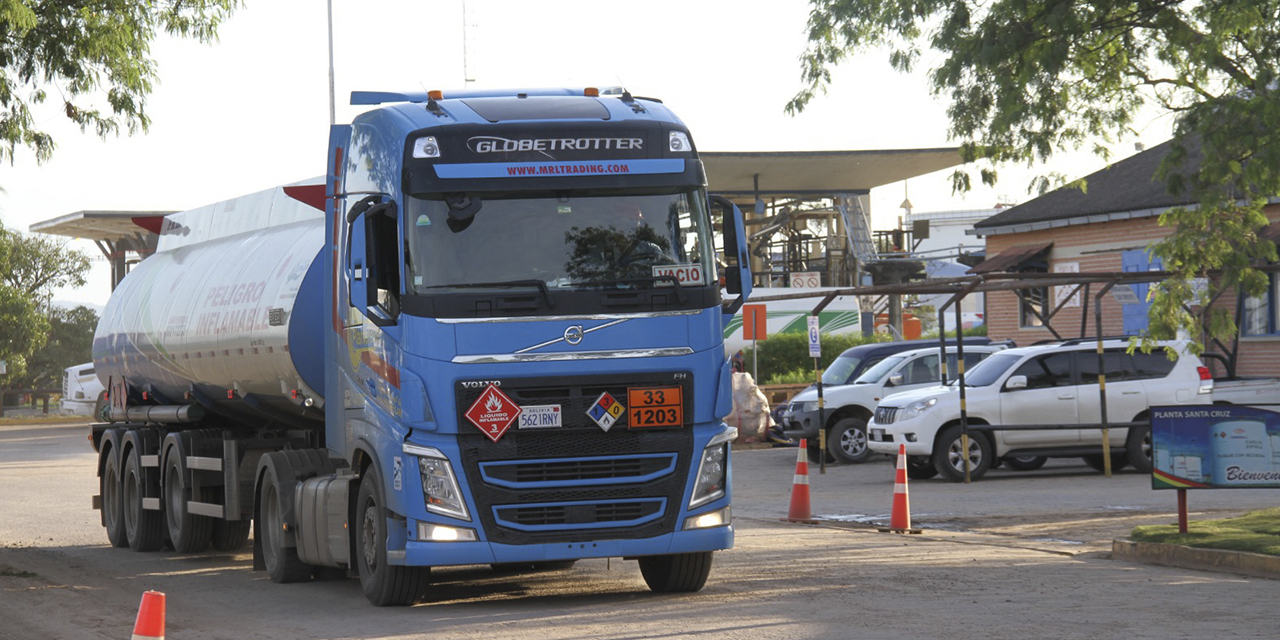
546, 485
886, 415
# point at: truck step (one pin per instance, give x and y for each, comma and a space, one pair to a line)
205, 509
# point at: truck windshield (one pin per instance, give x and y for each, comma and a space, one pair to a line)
558, 242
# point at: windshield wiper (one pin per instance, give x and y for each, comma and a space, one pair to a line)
533, 282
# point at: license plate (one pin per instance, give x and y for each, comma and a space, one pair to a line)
649, 407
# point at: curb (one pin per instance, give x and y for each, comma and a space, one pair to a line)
1255, 565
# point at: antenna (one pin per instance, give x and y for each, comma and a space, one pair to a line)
332, 112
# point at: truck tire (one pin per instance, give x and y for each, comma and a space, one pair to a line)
948, 457
676, 573
1137, 449
282, 563
920, 468
1024, 463
848, 441
230, 535
144, 529
384, 584
188, 532
111, 486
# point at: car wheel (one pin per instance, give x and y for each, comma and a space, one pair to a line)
1138, 449
1095, 461
848, 441
1024, 463
920, 468
949, 455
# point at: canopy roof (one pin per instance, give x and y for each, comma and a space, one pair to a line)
742, 175
106, 226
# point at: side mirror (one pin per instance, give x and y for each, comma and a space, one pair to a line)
738, 270
896, 379
1016, 382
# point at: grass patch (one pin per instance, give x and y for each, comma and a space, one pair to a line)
1255, 532
10, 573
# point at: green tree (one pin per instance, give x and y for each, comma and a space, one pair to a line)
30, 269
1026, 79
93, 55
70, 342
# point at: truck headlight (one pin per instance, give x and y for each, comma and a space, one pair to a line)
439, 485
713, 469
916, 408
717, 518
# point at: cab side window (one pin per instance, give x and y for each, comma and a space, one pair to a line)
1047, 371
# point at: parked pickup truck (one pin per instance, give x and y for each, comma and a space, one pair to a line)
1230, 389
848, 405
1053, 385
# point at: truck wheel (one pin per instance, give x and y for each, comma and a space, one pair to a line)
920, 468
144, 529
1137, 449
1095, 462
948, 455
188, 532
676, 573
383, 584
110, 487
1024, 463
848, 441
227, 535
282, 562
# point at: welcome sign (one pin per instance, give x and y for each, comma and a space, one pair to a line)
1214, 447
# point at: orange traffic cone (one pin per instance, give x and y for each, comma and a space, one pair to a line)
150, 623
900, 519
800, 489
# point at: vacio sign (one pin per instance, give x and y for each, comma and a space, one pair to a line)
1214, 447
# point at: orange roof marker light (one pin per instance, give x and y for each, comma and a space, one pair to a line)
435, 94
591, 92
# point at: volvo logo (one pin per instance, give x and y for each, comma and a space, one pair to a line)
479, 384
573, 335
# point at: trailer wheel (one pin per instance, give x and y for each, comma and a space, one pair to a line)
384, 584
676, 573
188, 532
144, 529
110, 488
282, 562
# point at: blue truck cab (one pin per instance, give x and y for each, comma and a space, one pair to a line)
523, 343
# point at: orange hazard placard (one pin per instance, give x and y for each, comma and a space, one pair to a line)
753, 322
655, 407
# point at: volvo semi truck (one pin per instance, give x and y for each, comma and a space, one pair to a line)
491, 333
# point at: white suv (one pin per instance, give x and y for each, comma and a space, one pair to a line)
1053, 384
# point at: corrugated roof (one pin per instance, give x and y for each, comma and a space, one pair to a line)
1129, 185
1013, 257
798, 173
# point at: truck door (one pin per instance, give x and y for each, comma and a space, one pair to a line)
1049, 397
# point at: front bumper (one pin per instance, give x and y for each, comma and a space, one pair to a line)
437, 554
886, 438
801, 424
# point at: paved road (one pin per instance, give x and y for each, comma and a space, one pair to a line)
1017, 556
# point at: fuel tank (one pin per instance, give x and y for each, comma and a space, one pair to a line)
228, 310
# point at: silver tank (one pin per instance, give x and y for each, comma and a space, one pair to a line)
228, 310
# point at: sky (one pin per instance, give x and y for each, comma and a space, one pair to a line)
252, 111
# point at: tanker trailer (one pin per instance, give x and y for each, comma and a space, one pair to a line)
492, 333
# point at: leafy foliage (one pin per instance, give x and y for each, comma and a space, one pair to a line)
70, 342
1026, 79
94, 55
30, 269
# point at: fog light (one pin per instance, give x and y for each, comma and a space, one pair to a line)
911, 437
717, 518
428, 532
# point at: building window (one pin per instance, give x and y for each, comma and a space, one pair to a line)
1259, 313
1032, 302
